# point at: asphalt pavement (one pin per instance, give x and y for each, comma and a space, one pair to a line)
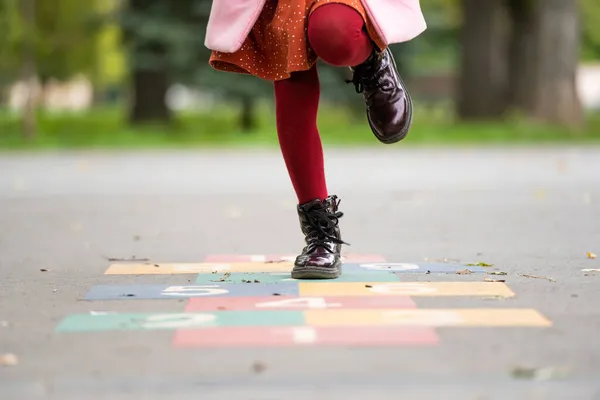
532, 213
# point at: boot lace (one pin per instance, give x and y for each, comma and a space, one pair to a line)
362, 80
323, 223
370, 75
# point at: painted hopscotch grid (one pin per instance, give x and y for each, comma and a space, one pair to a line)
314, 289
305, 336
283, 277
252, 301
271, 258
316, 318
281, 267
298, 303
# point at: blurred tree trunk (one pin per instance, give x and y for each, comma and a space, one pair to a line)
482, 86
150, 96
521, 53
544, 60
28, 68
248, 113
150, 82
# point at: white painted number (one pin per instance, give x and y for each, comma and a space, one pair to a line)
304, 335
174, 321
189, 291
402, 288
300, 302
390, 267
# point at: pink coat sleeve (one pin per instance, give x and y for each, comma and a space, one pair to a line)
230, 22
396, 21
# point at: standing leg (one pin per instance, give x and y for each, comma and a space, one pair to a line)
296, 104
337, 34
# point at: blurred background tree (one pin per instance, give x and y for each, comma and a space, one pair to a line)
523, 55
495, 61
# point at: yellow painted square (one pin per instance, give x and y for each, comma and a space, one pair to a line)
196, 268
405, 289
428, 317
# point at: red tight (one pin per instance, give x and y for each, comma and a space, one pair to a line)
336, 33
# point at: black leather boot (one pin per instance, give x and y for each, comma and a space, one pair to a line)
388, 103
320, 259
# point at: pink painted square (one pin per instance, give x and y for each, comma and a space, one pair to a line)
304, 336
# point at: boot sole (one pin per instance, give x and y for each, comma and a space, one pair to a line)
309, 272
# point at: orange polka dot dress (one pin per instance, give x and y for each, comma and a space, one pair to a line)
277, 44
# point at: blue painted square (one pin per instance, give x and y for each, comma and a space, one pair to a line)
132, 292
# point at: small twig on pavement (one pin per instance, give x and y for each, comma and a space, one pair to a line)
537, 277
120, 259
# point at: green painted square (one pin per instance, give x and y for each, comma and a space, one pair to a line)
282, 277
172, 321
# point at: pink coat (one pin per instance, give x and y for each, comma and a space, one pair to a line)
230, 21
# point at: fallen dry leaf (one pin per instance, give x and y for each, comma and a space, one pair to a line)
480, 264
591, 255
225, 276
8, 360
537, 277
258, 367
539, 374
464, 272
43, 270
497, 273
493, 280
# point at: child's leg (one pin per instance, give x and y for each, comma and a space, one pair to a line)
336, 33
296, 103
